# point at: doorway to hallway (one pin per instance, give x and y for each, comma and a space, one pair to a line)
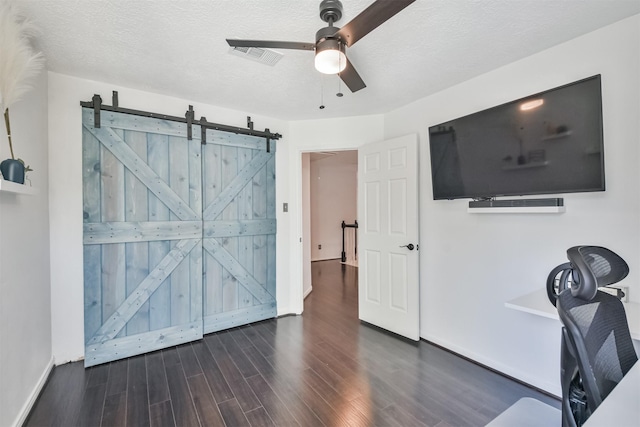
329, 197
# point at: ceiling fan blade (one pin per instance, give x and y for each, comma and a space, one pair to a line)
370, 18
351, 78
271, 44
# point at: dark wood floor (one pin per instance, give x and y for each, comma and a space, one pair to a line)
321, 368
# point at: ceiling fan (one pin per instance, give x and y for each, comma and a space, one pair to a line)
331, 42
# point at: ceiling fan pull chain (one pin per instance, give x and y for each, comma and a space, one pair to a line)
339, 94
321, 92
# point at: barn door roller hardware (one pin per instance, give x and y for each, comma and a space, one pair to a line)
268, 141
97, 105
189, 115
203, 131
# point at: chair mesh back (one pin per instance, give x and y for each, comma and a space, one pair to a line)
594, 267
607, 266
599, 328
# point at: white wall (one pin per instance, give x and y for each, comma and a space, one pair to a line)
25, 306
65, 159
306, 225
471, 264
334, 195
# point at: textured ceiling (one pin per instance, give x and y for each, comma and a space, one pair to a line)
178, 47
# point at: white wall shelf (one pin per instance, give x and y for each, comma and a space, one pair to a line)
538, 303
517, 209
12, 187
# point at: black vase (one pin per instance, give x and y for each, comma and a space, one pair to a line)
12, 170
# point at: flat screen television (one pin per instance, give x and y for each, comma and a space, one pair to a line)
547, 143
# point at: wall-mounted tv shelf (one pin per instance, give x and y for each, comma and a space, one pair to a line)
539, 209
12, 187
552, 205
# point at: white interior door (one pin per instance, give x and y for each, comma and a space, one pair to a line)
388, 286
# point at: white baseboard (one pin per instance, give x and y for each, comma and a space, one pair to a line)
552, 388
285, 311
306, 294
26, 408
327, 258
351, 263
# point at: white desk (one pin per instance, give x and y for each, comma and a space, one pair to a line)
622, 407
538, 303
528, 412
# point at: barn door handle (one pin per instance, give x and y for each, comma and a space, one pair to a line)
409, 246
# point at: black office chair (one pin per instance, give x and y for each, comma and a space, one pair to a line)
597, 350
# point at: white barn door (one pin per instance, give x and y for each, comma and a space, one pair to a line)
388, 278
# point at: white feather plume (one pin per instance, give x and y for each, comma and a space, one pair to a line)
19, 63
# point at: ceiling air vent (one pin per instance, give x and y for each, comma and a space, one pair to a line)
264, 56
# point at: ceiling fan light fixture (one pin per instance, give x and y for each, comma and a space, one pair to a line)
331, 42
330, 56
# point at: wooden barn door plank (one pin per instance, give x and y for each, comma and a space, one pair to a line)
146, 231
136, 252
113, 255
157, 155
212, 186
259, 207
271, 217
179, 183
245, 239
91, 206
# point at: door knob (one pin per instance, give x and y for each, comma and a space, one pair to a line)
409, 246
